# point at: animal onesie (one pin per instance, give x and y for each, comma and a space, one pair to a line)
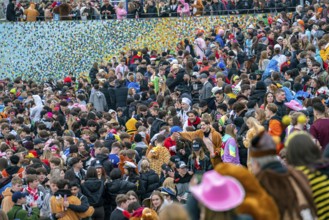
31, 13
197, 8
213, 142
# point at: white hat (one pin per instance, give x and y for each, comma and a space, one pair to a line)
129, 164
186, 101
215, 89
251, 26
212, 45
280, 38
277, 46
111, 111
174, 62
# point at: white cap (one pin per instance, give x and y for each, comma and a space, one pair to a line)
111, 110
280, 38
251, 27
174, 62
215, 89
186, 101
277, 46
212, 45
129, 164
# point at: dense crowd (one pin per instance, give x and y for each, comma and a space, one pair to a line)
96, 10
233, 125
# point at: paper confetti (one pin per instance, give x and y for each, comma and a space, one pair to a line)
42, 50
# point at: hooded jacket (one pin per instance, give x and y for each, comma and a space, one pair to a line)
272, 66
97, 98
231, 150
7, 202
93, 189
31, 13
36, 110
104, 160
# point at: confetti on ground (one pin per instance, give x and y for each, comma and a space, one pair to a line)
41, 50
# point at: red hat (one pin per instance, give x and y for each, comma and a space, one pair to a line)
67, 80
231, 36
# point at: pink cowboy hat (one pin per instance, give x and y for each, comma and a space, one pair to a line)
219, 193
294, 105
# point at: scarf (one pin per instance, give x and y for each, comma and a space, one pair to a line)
33, 192
194, 124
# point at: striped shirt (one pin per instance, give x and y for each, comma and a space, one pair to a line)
319, 183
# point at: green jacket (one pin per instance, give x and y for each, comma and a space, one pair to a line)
17, 212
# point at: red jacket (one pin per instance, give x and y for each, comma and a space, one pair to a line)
169, 143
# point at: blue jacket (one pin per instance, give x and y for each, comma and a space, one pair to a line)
220, 40
272, 66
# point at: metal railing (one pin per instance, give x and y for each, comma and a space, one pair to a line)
173, 14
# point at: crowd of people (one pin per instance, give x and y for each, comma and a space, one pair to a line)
231, 126
96, 10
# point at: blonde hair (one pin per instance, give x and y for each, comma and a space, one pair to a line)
174, 211
169, 183
295, 116
261, 115
252, 123
207, 116
120, 5
230, 130
145, 166
157, 193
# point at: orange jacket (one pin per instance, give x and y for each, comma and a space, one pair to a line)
7, 202
275, 130
31, 13
56, 205
19, 172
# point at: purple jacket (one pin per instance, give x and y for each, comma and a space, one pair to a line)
231, 150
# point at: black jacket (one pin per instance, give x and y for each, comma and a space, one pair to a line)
116, 187
70, 175
105, 91
258, 96
218, 8
152, 11
93, 189
205, 165
83, 206
11, 14
282, 109
150, 182
117, 215
177, 81
104, 160
92, 74
156, 125
111, 92
107, 8
121, 94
